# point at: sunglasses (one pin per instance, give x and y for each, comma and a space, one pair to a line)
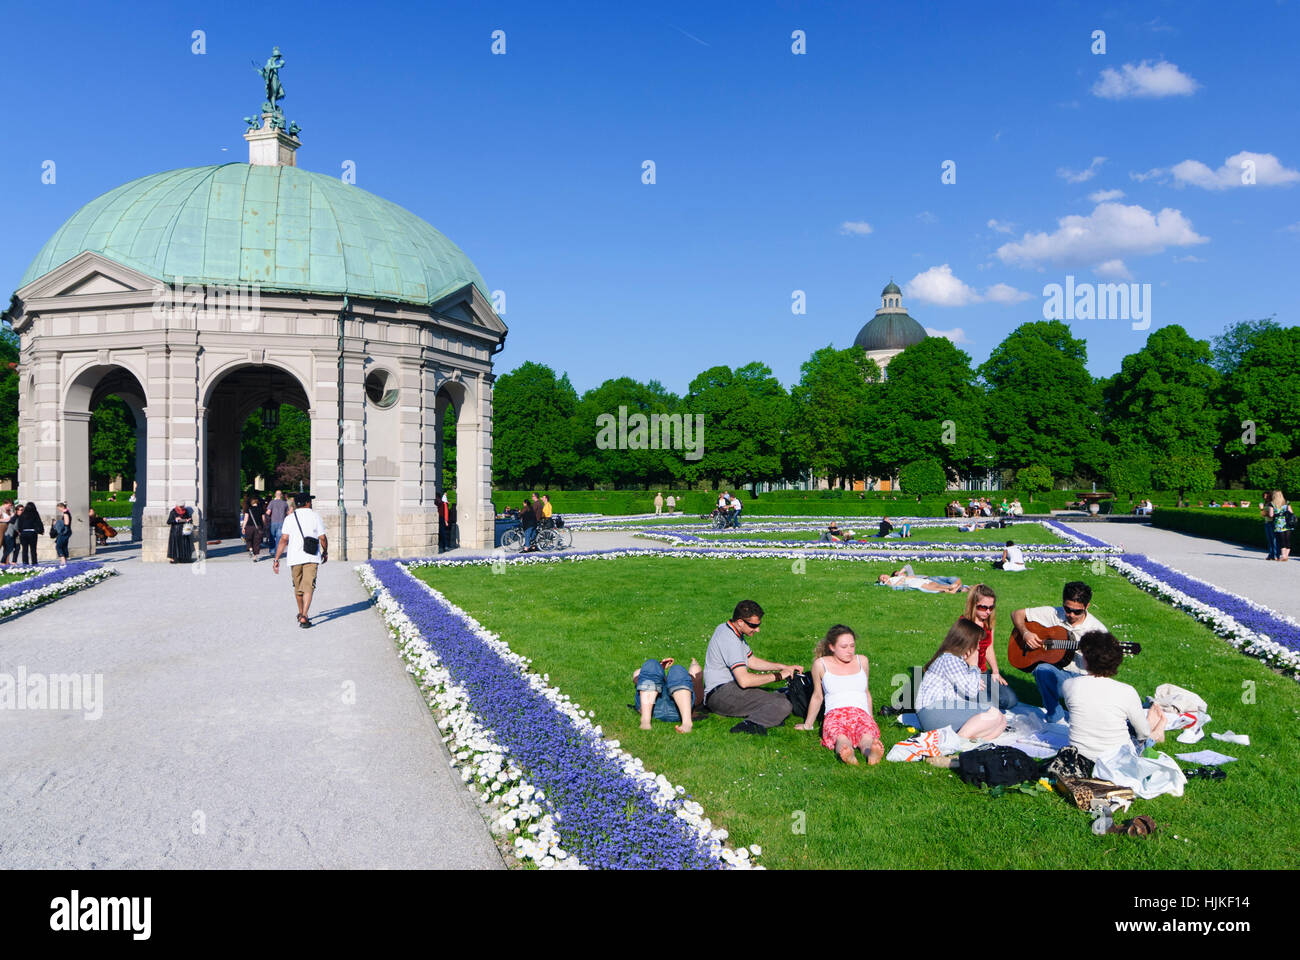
984, 606
752, 626
1076, 611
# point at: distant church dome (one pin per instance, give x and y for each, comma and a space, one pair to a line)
891, 330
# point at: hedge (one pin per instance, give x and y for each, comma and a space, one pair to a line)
1234, 524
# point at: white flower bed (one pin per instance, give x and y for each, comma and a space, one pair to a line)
1229, 628
523, 808
43, 590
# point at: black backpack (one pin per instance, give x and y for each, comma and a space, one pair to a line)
799, 691
996, 766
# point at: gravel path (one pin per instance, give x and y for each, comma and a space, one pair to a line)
1230, 566
230, 737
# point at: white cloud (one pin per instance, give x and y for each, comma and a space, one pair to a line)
1079, 176
1155, 173
1101, 196
1292, 227
1112, 270
939, 287
1188, 259
1145, 79
1001, 227
925, 216
1268, 172
957, 335
1111, 231
858, 228
1005, 293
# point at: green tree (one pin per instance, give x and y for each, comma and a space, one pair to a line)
112, 443
8, 402
1263, 473
1043, 407
1186, 473
1163, 401
600, 460
532, 440
1262, 397
1033, 479
1288, 479
830, 407
1128, 473
744, 418
1237, 340
923, 477
931, 410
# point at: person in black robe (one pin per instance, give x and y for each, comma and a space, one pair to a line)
180, 544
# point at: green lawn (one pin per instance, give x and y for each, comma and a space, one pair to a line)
589, 624
1020, 533
11, 577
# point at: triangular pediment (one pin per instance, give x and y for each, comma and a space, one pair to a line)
468, 305
95, 283
87, 274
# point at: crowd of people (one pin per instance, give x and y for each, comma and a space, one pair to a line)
983, 507
21, 528
961, 686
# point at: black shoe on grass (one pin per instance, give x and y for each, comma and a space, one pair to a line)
749, 726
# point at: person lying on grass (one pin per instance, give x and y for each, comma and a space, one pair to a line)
839, 676
952, 688
905, 578
684, 689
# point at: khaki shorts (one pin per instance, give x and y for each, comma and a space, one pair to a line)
303, 576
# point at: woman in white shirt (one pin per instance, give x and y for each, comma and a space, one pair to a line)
1101, 708
839, 675
1013, 559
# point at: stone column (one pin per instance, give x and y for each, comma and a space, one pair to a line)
325, 446
75, 474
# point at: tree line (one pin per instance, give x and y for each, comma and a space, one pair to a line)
1181, 414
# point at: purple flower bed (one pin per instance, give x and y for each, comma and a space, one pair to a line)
605, 818
1071, 531
46, 579
892, 556
1243, 611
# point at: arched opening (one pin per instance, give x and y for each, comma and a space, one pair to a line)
257, 427
105, 440
450, 401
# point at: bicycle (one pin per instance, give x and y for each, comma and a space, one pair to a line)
513, 539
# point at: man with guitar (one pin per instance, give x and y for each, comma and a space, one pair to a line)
1073, 615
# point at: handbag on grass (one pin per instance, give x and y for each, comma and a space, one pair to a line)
1084, 790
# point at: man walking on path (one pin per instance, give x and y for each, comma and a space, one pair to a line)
303, 538
276, 511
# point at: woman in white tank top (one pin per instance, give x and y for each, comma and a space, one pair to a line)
839, 676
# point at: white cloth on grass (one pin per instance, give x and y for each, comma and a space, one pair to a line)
1207, 757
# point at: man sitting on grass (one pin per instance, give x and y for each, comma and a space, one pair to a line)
905, 579
733, 674
685, 688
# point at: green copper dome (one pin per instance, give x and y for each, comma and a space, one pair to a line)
891, 288
282, 228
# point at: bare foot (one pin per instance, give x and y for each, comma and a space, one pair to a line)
845, 753
683, 727
876, 753
645, 724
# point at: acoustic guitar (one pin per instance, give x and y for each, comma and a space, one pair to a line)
1058, 647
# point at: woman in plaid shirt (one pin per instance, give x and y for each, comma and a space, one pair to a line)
951, 693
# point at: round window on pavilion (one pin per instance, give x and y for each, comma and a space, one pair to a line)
381, 388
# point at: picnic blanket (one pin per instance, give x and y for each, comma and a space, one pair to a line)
1025, 731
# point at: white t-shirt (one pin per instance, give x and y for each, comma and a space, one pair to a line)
735, 504
1101, 708
1055, 617
312, 526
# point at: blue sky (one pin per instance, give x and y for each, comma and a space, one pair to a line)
775, 172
